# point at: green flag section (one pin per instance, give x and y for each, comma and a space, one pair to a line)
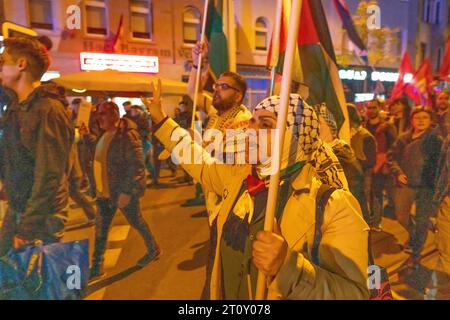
317, 62
220, 35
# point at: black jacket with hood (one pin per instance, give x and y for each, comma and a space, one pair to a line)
35, 145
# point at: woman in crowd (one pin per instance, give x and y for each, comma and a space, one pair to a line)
413, 160
297, 266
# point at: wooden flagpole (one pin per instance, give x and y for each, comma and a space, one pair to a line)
276, 45
199, 64
294, 23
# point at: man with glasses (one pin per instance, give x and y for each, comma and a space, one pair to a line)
223, 107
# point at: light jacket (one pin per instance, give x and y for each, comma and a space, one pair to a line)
343, 252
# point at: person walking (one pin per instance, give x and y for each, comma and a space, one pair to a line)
34, 147
119, 174
287, 255
413, 160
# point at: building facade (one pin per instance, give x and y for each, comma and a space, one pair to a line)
168, 29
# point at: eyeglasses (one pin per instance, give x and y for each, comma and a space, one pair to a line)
223, 86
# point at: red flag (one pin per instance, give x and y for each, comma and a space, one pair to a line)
113, 39
420, 87
444, 73
405, 68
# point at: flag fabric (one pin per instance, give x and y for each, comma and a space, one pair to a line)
220, 32
348, 25
444, 72
111, 42
317, 67
405, 68
420, 87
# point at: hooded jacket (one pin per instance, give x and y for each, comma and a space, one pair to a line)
36, 140
125, 161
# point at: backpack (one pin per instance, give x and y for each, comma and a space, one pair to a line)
323, 195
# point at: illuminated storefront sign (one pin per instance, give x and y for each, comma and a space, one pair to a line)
353, 75
91, 61
361, 75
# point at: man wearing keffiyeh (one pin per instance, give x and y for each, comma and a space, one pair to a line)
284, 255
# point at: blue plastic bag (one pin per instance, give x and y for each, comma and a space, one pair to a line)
58, 271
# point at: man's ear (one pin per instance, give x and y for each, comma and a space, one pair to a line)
22, 63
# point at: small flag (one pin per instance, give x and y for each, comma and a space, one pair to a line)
111, 42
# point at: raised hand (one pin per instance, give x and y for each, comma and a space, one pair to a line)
154, 105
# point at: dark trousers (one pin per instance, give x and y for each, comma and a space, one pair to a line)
53, 233
132, 212
377, 199
417, 226
80, 198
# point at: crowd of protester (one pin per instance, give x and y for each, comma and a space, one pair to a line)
396, 165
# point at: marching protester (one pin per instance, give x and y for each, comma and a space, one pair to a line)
365, 148
385, 135
344, 152
336, 264
413, 160
120, 181
35, 147
76, 174
400, 110
441, 279
224, 110
442, 106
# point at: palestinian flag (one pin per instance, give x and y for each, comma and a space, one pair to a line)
315, 65
220, 32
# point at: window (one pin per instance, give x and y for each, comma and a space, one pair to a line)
261, 34
40, 14
141, 19
426, 10
191, 25
437, 12
96, 17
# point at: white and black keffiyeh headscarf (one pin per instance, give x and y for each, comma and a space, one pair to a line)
302, 142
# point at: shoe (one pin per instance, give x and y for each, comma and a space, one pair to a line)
149, 257
194, 202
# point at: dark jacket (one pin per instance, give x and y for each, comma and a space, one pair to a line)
37, 137
365, 147
126, 167
142, 122
416, 158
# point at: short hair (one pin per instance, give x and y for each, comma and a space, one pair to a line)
239, 80
353, 115
46, 41
31, 49
126, 104
109, 105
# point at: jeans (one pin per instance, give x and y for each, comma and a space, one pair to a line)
376, 198
80, 198
132, 213
53, 232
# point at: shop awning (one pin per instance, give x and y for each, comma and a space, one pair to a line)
116, 83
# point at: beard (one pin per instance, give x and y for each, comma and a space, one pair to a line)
222, 105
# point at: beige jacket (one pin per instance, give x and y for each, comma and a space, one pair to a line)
343, 253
